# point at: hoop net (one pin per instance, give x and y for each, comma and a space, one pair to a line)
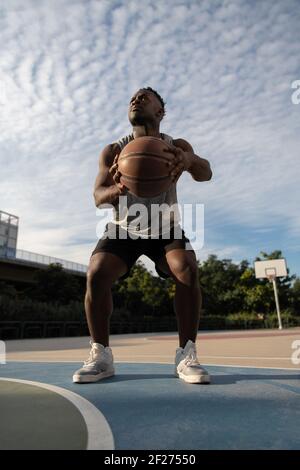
270, 273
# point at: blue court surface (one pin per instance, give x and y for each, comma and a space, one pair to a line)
146, 407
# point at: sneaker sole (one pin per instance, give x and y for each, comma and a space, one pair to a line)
92, 378
194, 379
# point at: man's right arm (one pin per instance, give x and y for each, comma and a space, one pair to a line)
106, 190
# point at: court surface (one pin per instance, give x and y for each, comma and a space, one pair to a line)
253, 401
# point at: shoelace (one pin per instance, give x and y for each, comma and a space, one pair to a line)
91, 359
191, 359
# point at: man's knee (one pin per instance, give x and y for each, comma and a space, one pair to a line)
97, 275
104, 269
185, 271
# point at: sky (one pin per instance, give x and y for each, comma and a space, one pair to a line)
225, 70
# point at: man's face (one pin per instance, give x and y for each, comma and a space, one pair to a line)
144, 107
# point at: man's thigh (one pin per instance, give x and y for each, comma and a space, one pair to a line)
174, 259
125, 251
107, 265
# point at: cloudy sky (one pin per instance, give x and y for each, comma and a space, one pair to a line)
225, 69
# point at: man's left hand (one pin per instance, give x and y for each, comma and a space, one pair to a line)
182, 162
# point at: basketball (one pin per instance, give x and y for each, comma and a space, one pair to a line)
144, 166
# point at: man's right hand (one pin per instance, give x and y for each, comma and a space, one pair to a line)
114, 171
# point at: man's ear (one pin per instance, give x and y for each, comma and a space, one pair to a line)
160, 113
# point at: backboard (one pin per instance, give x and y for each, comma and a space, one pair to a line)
270, 268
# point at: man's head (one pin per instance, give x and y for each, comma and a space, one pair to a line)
146, 106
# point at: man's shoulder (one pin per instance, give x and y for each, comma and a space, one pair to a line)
108, 154
115, 147
112, 147
178, 142
183, 144
168, 138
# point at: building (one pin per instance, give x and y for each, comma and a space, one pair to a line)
9, 225
18, 266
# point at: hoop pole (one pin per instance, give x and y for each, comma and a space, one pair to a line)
277, 302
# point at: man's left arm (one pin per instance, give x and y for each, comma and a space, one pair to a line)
187, 160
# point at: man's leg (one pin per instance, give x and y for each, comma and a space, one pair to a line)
104, 269
182, 265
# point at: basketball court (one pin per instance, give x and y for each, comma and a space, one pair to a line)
252, 402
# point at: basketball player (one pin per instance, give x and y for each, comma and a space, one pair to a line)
113, 258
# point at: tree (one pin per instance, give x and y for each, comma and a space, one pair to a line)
8, 291
219, 280
143, 294
55, 285
232, 288
294, 297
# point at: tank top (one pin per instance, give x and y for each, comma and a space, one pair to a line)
147, 217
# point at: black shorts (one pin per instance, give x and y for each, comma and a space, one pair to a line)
129, 249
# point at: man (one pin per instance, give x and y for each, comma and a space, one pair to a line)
113, 257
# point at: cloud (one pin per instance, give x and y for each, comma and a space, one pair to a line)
225, 69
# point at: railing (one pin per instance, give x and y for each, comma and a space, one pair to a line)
56, 329
43, 259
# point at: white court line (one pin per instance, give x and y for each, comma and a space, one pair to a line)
253, 367
215, 357
100, 435
263, 358
170, 363
215, 365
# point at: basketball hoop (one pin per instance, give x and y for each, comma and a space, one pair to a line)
270, 274
271, 269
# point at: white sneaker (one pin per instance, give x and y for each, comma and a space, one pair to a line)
99, 365
187, 366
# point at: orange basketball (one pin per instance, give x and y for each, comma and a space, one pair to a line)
143, 164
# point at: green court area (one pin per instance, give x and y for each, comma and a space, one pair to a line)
33, 417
